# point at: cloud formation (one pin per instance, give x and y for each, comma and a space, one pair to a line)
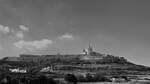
33, 45
4, 29
23, 28
67, 36
19, 34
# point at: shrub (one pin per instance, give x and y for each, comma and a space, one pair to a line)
93, 78
70, 78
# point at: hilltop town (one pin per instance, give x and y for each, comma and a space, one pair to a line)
90, 63
86, 54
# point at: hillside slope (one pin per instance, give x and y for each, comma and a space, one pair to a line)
104, 64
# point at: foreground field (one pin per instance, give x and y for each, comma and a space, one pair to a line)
104, 83
117, 83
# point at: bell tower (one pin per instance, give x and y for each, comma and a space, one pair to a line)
90, 49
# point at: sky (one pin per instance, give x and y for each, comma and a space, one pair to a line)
116, 27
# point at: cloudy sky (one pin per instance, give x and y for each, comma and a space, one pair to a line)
118, 27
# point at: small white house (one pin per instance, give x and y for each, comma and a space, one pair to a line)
18, 70
47, 69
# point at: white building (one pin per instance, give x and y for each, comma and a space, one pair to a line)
88, 51
18, 70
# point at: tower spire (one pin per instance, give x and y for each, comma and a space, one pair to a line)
90, 49
89, 44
